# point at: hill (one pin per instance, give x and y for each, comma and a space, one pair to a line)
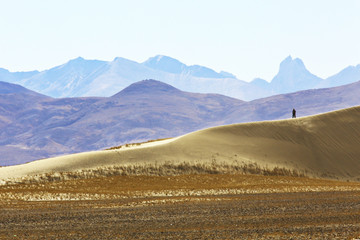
324, 145
33, 126
307, 102
39, 127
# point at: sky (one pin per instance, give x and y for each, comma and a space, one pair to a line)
248, 38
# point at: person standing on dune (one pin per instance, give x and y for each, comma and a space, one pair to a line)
293, 113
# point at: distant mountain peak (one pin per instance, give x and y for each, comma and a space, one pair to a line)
345, 76
260, 82
288, 59
293, 76
171, 65
148, 86
117, 59
165, 63
121, 60
289, 62
159, 57
78, 59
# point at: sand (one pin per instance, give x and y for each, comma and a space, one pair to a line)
325, 145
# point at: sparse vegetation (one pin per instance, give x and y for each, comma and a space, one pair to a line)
228, 198
166, 169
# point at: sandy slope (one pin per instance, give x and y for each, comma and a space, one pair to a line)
325, 145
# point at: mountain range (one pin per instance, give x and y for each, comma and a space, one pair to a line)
82, 78
34, 126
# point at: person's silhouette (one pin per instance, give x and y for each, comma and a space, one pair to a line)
293, 113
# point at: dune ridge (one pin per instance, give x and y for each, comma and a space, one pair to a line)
324, 145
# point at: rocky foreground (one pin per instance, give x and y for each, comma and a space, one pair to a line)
209, 206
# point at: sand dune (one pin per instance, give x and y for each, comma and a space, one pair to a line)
325, 145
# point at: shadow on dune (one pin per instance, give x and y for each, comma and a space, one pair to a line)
325, 145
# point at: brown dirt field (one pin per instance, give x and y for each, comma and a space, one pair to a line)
218, 206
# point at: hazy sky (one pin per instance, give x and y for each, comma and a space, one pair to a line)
247, 38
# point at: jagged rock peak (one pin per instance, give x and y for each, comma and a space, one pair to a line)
290, 62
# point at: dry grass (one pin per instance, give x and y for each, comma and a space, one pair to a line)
166, 169
119, 187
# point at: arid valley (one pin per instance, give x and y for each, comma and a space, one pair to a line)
185, 119
288, 179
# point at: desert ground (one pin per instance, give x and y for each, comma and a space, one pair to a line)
194, 206
288, 179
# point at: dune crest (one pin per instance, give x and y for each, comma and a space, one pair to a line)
325, 145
